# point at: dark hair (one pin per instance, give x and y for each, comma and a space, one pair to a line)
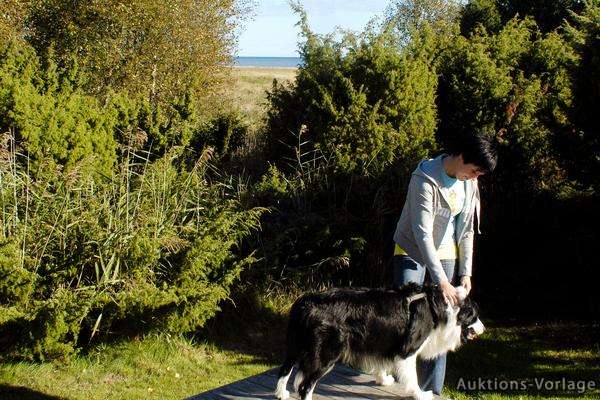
477, 149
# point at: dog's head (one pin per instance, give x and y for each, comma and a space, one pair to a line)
468, 319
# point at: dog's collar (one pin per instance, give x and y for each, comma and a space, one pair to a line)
415, 297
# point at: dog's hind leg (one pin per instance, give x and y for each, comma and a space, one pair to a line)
306, 388
284, 374
327, 350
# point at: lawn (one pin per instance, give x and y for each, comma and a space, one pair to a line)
242, 341
155, 367
531, 357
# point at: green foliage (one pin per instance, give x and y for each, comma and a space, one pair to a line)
408, 17
12, 16
584, 144
108, 222
157, 49
151, 248
298, 240
480, 12
225, 133
494, 14
16, 277
155, 127
57, 125
273, 184
516, 85
54, 331
53, 121
360, 113
111, 217
343, 140
357, 99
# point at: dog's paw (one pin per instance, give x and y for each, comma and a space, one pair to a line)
386, 380
283, 395
428, 395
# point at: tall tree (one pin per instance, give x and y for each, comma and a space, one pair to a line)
406, 16
584, 35
493, 14
157, 48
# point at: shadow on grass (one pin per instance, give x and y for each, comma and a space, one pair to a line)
534, 360
8, 392
248, 327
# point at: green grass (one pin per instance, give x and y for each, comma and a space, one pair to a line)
529, 354
242, 341
154, 367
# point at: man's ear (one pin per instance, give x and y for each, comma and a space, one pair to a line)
462, 293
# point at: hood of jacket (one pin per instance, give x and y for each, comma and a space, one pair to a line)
435, 176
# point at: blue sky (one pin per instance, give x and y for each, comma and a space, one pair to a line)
271, 32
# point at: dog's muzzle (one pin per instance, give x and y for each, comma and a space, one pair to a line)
476, 328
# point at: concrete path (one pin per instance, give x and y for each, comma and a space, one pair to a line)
341, 383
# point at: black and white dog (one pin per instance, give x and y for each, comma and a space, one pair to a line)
378, 330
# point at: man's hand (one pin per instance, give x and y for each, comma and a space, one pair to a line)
449, 293
465, 281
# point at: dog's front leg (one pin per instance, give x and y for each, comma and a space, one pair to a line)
405, 370
382, 378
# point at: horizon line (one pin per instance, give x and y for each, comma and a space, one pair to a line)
267, 57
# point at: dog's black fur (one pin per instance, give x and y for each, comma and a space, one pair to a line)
347, 324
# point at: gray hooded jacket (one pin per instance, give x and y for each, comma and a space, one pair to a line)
426, 215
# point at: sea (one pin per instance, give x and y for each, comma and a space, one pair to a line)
290, 62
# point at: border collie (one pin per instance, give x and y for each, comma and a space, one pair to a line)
378, 330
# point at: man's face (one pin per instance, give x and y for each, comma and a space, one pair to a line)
468, 171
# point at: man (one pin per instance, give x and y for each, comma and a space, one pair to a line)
435, 230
